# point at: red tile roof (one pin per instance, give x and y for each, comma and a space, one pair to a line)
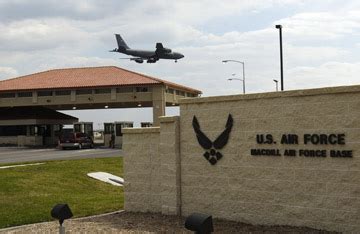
85, 77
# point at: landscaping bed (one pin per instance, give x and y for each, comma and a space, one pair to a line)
128, 222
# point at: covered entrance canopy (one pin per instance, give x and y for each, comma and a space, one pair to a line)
92, 88
31, 125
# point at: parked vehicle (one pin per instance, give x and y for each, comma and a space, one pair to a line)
75, 140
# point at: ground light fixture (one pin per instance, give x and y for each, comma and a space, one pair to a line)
61, 212
199, 223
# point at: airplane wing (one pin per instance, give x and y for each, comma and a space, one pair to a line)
136, 59
141, 60
132, 58
160, 49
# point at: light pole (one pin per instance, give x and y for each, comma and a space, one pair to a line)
276, 82
243, 65
278, 26
230, 79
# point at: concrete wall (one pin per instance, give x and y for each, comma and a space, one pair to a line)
152, 167
141, 170
8, 140
22, 140
318, 192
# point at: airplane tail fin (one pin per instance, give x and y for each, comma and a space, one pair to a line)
121, 43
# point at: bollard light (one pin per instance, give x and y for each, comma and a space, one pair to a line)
61, 212
199, 223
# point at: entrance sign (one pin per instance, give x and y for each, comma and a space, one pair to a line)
211, 154
306, 140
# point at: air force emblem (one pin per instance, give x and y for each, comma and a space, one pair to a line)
212, 154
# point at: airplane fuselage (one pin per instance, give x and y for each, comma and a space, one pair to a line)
151, 54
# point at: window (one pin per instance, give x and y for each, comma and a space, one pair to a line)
88, 129
180, 93
128, 125
62, 92
191, 95
7, 95
101, 91
77, 127
146, 124
44, 93
25, 94
83, 91
118, 130
12, 130
170, 91
124, 90
80, 134
108, 128
33, 130
142, 89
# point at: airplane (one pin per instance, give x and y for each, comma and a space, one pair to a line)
140, 55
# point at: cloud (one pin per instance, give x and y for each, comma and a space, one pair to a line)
321, 25
325, 75
34, 35
16, 10
7, 72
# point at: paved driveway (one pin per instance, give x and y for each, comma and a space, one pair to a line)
14, 154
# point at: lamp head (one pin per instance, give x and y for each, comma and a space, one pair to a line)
278, 26
61, 212
199, 223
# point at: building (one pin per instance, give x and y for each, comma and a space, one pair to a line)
31, 126
26, 102
93, 88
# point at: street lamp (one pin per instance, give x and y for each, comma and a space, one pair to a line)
230, 79
278, 26
243, 64
276, 82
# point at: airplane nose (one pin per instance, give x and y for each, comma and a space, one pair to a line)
181, 55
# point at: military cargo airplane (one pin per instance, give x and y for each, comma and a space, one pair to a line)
140, 55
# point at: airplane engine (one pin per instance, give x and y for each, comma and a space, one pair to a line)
139, 60
152, 60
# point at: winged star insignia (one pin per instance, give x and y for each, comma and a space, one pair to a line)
212, 154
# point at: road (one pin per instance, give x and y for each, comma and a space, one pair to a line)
15, 155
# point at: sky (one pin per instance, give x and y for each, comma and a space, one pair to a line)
321, 43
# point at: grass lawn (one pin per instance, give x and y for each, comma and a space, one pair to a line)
27, 194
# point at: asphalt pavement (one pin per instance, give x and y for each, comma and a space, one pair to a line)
16, 154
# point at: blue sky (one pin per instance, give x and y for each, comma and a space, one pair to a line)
321, 42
